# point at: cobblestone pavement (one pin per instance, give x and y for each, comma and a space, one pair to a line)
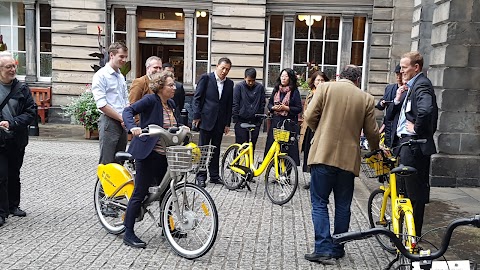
61, 230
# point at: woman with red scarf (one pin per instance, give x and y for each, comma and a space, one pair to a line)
285, 103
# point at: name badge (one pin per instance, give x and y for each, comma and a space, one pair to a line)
409, 106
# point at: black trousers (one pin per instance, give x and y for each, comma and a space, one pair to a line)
213, 137
417, 185
11, 160
242, 135
148, 169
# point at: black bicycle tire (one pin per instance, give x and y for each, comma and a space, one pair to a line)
227, 182
390, 249
295, 185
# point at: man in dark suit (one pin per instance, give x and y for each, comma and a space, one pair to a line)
417, 120
384, 103
212, 113
179, 96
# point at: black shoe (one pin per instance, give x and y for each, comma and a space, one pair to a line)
306, 186
134, 241
314, 257
338, 256
18, 212
201, 183
216, 181
2, 221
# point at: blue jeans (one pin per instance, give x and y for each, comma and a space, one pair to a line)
324, 179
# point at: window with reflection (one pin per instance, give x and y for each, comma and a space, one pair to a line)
44, 41
316, 45
274, 50
358, 40
202, 44
12, 31
119, 24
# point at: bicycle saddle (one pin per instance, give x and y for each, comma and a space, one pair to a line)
404, 170
122, 156
247, 125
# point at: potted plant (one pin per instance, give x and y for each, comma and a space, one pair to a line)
84, 111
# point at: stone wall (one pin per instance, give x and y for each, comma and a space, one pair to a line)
455, 73
74, 37
238, 32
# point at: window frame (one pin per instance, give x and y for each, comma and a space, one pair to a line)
38, 29
209, 40
112, 24
282, 44
11, 26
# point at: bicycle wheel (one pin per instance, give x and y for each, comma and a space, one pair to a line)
110, 212
281, 190
231, 179
375, 202
194, 234
407, 234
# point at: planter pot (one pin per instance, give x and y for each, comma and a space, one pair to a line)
91, 134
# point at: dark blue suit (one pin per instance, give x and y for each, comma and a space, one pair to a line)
390, 92
424, 115
215, 114
149, 164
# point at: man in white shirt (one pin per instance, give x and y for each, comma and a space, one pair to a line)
111, 96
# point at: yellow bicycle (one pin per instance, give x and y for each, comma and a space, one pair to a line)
388, 207
281, 178
188, 216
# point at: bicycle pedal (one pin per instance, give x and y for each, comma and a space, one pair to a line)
153, 189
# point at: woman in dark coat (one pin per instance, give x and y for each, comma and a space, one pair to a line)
285, 103
149, 154
306, 134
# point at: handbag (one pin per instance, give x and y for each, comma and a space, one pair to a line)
6, 134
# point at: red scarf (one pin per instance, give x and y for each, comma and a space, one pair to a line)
285, 101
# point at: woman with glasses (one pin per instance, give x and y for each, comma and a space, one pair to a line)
149, 154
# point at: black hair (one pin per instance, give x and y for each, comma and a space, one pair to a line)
251, 72
352, 73
224, 60
292, 79
167, 64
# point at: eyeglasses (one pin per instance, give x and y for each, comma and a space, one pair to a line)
10, 66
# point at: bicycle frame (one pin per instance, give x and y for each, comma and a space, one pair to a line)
246, 152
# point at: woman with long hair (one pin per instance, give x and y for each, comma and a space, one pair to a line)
285, 103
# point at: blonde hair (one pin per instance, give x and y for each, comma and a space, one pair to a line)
158, 80
415, 58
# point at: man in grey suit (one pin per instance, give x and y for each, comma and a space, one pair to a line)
212, 114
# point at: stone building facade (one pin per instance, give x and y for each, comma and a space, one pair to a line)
52, 40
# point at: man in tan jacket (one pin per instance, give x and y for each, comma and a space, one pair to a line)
337, 113
141, 86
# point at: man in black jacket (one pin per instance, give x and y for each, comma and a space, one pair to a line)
417, 120
15, 117
212, 114
248, 100
179, 96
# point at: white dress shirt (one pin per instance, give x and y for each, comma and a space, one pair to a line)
219, 85
109, 88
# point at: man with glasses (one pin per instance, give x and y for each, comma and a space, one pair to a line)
179, 96
141, 86
17, 110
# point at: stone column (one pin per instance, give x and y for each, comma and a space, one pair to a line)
346, 42
288, 37
30, 42
108, 27
188, 59
132, 40
422, 29
455, 73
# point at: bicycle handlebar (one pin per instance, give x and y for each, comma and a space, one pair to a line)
409, 143
172, 136
350, 236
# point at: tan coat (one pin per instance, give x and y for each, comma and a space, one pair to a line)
139, 88
303, 127
337, 113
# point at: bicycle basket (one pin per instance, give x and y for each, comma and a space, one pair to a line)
179, 158
206, 153
373, 167
281, 135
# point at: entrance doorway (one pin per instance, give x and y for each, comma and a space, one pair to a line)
168, 53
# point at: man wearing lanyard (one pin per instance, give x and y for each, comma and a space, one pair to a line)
417, 120
109, 90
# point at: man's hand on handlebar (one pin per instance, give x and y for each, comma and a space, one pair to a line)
136, 131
